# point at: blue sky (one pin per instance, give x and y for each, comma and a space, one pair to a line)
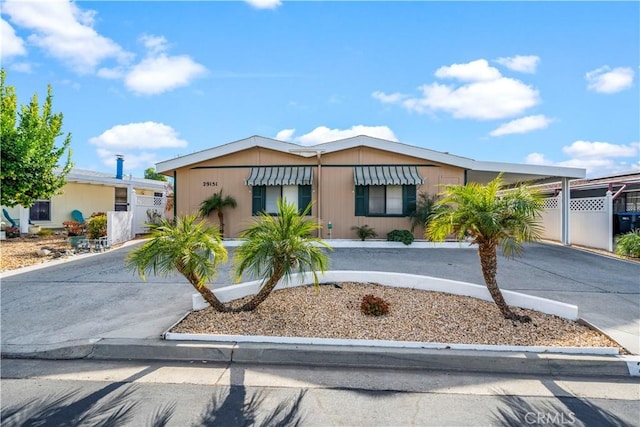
525, 82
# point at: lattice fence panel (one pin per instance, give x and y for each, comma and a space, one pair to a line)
594, 204
550, 203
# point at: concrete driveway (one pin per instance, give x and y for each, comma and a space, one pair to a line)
93, 297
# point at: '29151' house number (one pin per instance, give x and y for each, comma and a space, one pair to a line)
209, 183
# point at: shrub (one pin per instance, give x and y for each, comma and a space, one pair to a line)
74, 228
12, 232
364, 232
154, 217
404, 236
45, 232
372, 305
97, 226
629, 244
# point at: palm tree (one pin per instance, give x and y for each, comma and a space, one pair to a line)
193, 249
491, 219
424, 209
217, 202
278, 246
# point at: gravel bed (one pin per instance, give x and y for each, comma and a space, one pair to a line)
333, 311
23, 251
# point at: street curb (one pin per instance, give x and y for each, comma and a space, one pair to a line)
478, 361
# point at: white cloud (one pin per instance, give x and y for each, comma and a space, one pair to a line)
285, 135
159, 72
598, 158
65, 32
145, 135
486, 100
323, 134
520, 63
264, 4
132, 160
162, 73
12, 45
537, 159
589, 150
522, 125
392, 98
487, 95
607, 80
473, 71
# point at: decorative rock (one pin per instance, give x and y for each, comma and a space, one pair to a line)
44, 252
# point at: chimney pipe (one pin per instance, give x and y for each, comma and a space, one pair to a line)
119, 162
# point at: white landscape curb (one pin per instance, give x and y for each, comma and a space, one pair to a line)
427, 283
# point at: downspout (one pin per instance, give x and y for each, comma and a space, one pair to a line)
175, 195
319, 197
619, 192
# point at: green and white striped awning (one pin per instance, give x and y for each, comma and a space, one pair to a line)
280, 175
387, 175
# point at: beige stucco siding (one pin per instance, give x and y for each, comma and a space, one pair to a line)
332, 180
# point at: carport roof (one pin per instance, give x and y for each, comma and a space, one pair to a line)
477, 171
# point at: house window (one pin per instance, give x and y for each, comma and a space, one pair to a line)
265, 197
121, 199
632, 201
385, 200
40, 211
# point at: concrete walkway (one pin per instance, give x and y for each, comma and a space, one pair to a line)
78, 307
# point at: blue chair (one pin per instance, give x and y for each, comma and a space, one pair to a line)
13, 222
77, 216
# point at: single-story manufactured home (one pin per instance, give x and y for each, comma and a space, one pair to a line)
91, 192
350, 182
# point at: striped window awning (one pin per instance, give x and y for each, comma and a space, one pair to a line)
387, 175
280, 175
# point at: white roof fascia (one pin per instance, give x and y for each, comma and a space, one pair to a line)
225, 149
368, 141
90, 177
521, 168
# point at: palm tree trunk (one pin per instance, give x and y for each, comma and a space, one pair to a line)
221, 218
206, 293
265, 291
489, 262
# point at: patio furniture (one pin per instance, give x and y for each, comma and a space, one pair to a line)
77, 216
13, 222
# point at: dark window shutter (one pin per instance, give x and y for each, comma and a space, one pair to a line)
259, 199
408, 199
362, 199
304, 198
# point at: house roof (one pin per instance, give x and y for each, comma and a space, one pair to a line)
477, 171
100, 178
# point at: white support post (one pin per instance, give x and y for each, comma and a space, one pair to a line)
608, 208
565, 202
24, 219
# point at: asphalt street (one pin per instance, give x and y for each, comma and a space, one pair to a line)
94, 297
36, 392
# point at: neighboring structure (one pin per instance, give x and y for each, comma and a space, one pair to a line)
600, 208
91, 192
350, 182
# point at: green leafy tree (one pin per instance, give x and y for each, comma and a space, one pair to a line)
31, 167
278, 246
217, 203
490, 219
150, 173
193, 249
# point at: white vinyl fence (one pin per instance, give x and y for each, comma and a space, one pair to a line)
119, 227
142, 205
590, 221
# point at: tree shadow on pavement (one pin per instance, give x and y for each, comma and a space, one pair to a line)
233, 407
68, 408
571, 411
